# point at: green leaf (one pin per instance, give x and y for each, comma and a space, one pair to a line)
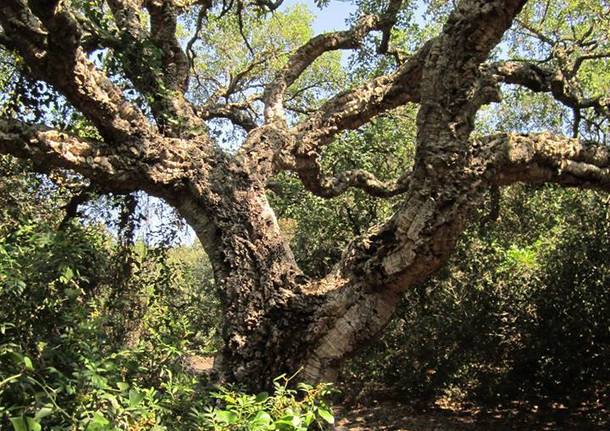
28, 363
261, 418
44, 411
67, 275
326, 415
122, 386
226, 416
309, 417
135, 398
25, 423
262, 397
98, 423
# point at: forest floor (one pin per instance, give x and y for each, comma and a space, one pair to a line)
380, 410
396, 416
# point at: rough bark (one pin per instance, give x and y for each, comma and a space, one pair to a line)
276, 319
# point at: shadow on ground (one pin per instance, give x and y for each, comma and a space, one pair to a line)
395, 416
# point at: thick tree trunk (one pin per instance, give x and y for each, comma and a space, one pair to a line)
266, 314
278, 321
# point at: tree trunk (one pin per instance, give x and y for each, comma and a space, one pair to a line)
278, 321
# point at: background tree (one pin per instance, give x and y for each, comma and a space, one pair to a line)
142, 111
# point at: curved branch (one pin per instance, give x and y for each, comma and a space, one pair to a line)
314, 180
542, 80
389, 20
60, 61
315, 47
352, 109
236, 113
201, 16
307, 54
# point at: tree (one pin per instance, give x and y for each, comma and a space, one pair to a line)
143, 108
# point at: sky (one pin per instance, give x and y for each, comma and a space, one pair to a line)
329, 18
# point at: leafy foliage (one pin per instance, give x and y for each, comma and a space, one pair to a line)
285, 410
517, 313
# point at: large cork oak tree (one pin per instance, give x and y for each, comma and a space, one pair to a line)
275, 318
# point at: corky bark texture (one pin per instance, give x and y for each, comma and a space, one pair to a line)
276, 319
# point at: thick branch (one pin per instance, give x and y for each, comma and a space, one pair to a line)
60, 61
48, 149
542, 158
420, 236
155, 63
163, 25
354, 108
389, 20
126, 15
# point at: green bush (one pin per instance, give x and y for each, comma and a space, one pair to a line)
93, 331
300, 409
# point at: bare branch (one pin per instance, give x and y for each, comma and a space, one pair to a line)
539, 79
548, 158
236, 113
329, 187
581, 60
71, 208
307, 54
535, 32
50, 149
201, 16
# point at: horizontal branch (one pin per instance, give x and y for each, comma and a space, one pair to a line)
314, 180
236, 113
50, 149
160, 167
548, 158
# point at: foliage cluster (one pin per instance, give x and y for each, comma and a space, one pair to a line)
286, 410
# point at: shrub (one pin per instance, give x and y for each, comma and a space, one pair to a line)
300, 409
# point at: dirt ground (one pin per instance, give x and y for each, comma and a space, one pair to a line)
394, 416
379, 411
